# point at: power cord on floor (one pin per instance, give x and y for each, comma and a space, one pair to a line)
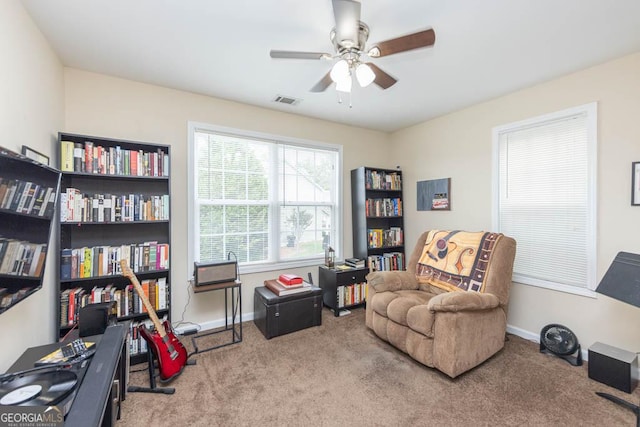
184, 310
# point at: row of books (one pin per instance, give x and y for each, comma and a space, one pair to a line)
351, 294
381, 238
383, 207
137, 344
99, 261
90, 158
378, 180
76, 206
386, 262
21, 258
7, 298
27, 197
128, 302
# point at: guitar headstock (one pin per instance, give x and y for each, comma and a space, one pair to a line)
126, 271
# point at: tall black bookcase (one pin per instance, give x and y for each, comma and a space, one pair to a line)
377, 210
28, 194
114, 204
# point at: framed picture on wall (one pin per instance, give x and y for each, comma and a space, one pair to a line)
35, 155
635, 184
434, 195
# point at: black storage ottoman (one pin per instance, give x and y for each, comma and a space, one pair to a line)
276, 316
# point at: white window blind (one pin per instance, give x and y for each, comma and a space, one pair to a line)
546, 197
267, 201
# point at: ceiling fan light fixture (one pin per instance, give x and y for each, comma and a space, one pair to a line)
344, 84
365, 75
340, 71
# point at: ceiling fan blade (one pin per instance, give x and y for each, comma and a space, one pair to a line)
289, 54
384, 80
402, 44
347, 15
323, 84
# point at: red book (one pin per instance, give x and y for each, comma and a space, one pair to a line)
290, 279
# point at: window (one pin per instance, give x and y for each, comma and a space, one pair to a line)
268, 200
545, 193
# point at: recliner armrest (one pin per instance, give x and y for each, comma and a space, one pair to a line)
463, 301
383, 281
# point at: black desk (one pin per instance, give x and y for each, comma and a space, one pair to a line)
101, 384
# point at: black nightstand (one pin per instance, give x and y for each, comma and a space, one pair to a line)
343, 289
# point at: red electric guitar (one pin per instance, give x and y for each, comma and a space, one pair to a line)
168, 350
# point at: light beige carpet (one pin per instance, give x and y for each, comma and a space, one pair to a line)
340, 374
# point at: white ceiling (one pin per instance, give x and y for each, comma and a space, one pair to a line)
483, 49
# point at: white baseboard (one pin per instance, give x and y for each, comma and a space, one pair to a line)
213, 324
523, 333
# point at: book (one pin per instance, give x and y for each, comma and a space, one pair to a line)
298, 285
66, 156
65, 264
354, 262
162, 293
279, 289
78, 157
290, 279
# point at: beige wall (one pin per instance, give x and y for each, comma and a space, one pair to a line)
39, 98
112, 107
459, 146
31, 112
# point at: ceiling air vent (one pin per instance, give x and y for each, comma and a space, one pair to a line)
286, 100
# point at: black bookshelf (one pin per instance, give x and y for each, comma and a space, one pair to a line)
377, 212
28, 194
114, 204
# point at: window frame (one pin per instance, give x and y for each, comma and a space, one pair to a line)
590, 110
192, 211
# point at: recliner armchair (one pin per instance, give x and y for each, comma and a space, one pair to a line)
448, 310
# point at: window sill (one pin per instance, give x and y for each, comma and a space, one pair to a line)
260, 268
568, 289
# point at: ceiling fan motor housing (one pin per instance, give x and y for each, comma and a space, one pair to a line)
343, 46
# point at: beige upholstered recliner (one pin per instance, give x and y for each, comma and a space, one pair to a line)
448, 310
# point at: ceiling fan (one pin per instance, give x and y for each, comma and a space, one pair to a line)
349, 38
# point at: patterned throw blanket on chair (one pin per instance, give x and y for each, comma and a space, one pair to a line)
456, 260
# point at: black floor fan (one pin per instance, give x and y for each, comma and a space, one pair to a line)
560, 341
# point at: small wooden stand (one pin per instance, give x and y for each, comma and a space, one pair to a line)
236, 312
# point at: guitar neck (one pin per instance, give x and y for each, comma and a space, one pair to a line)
126, 271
